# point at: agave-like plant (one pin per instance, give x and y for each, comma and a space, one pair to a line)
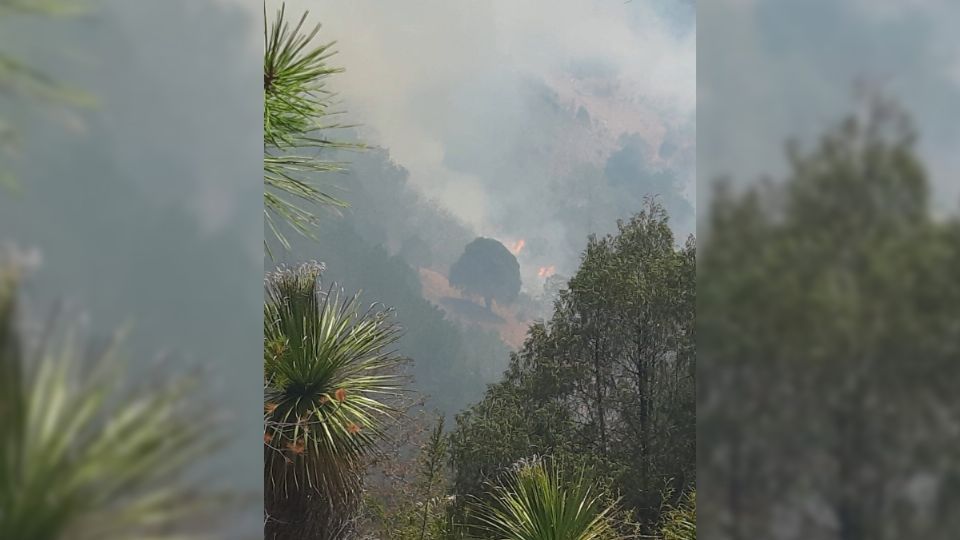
330, 376
80, 459
297, 113
680, 523
536, 501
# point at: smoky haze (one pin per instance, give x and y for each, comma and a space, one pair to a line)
144, 210
507, 114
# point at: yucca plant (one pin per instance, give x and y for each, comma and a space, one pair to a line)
680, 523
330, 376
80, 459
297, 119
536, 501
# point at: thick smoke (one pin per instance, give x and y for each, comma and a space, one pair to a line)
506, 112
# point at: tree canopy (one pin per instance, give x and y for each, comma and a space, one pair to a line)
487, 268
607, 383
828, 330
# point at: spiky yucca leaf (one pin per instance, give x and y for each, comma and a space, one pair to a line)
537, 502
330, 373
297, 112
680, 523
80, 460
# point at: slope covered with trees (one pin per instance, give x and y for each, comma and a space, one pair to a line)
589, 434
606, 384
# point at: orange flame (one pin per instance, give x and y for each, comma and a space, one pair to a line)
546, 271
517, 246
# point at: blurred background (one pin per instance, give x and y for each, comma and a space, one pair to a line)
828, 313
131, 201
828, 317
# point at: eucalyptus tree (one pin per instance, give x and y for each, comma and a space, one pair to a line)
608, 383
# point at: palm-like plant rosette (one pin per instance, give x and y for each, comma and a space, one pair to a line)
536, 501
82, 459
330, 375
680, 523
297, 112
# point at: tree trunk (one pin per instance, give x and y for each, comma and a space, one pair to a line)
598, 385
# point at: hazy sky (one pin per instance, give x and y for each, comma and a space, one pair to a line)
445, 85
770, 69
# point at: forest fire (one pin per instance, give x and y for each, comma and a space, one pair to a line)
546, 271
517, 247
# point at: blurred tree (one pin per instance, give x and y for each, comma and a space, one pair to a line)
829, 324
487, 268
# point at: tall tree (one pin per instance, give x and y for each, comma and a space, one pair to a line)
608, 382
829, 320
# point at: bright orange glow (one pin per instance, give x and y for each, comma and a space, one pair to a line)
546, 271
517, 246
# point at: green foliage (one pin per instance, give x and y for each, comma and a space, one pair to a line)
80, 459
432, 465
828, 332
536, 501
330, 374
297, 112
414, 508
487, 268
452, 362
608, 382
680, 523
